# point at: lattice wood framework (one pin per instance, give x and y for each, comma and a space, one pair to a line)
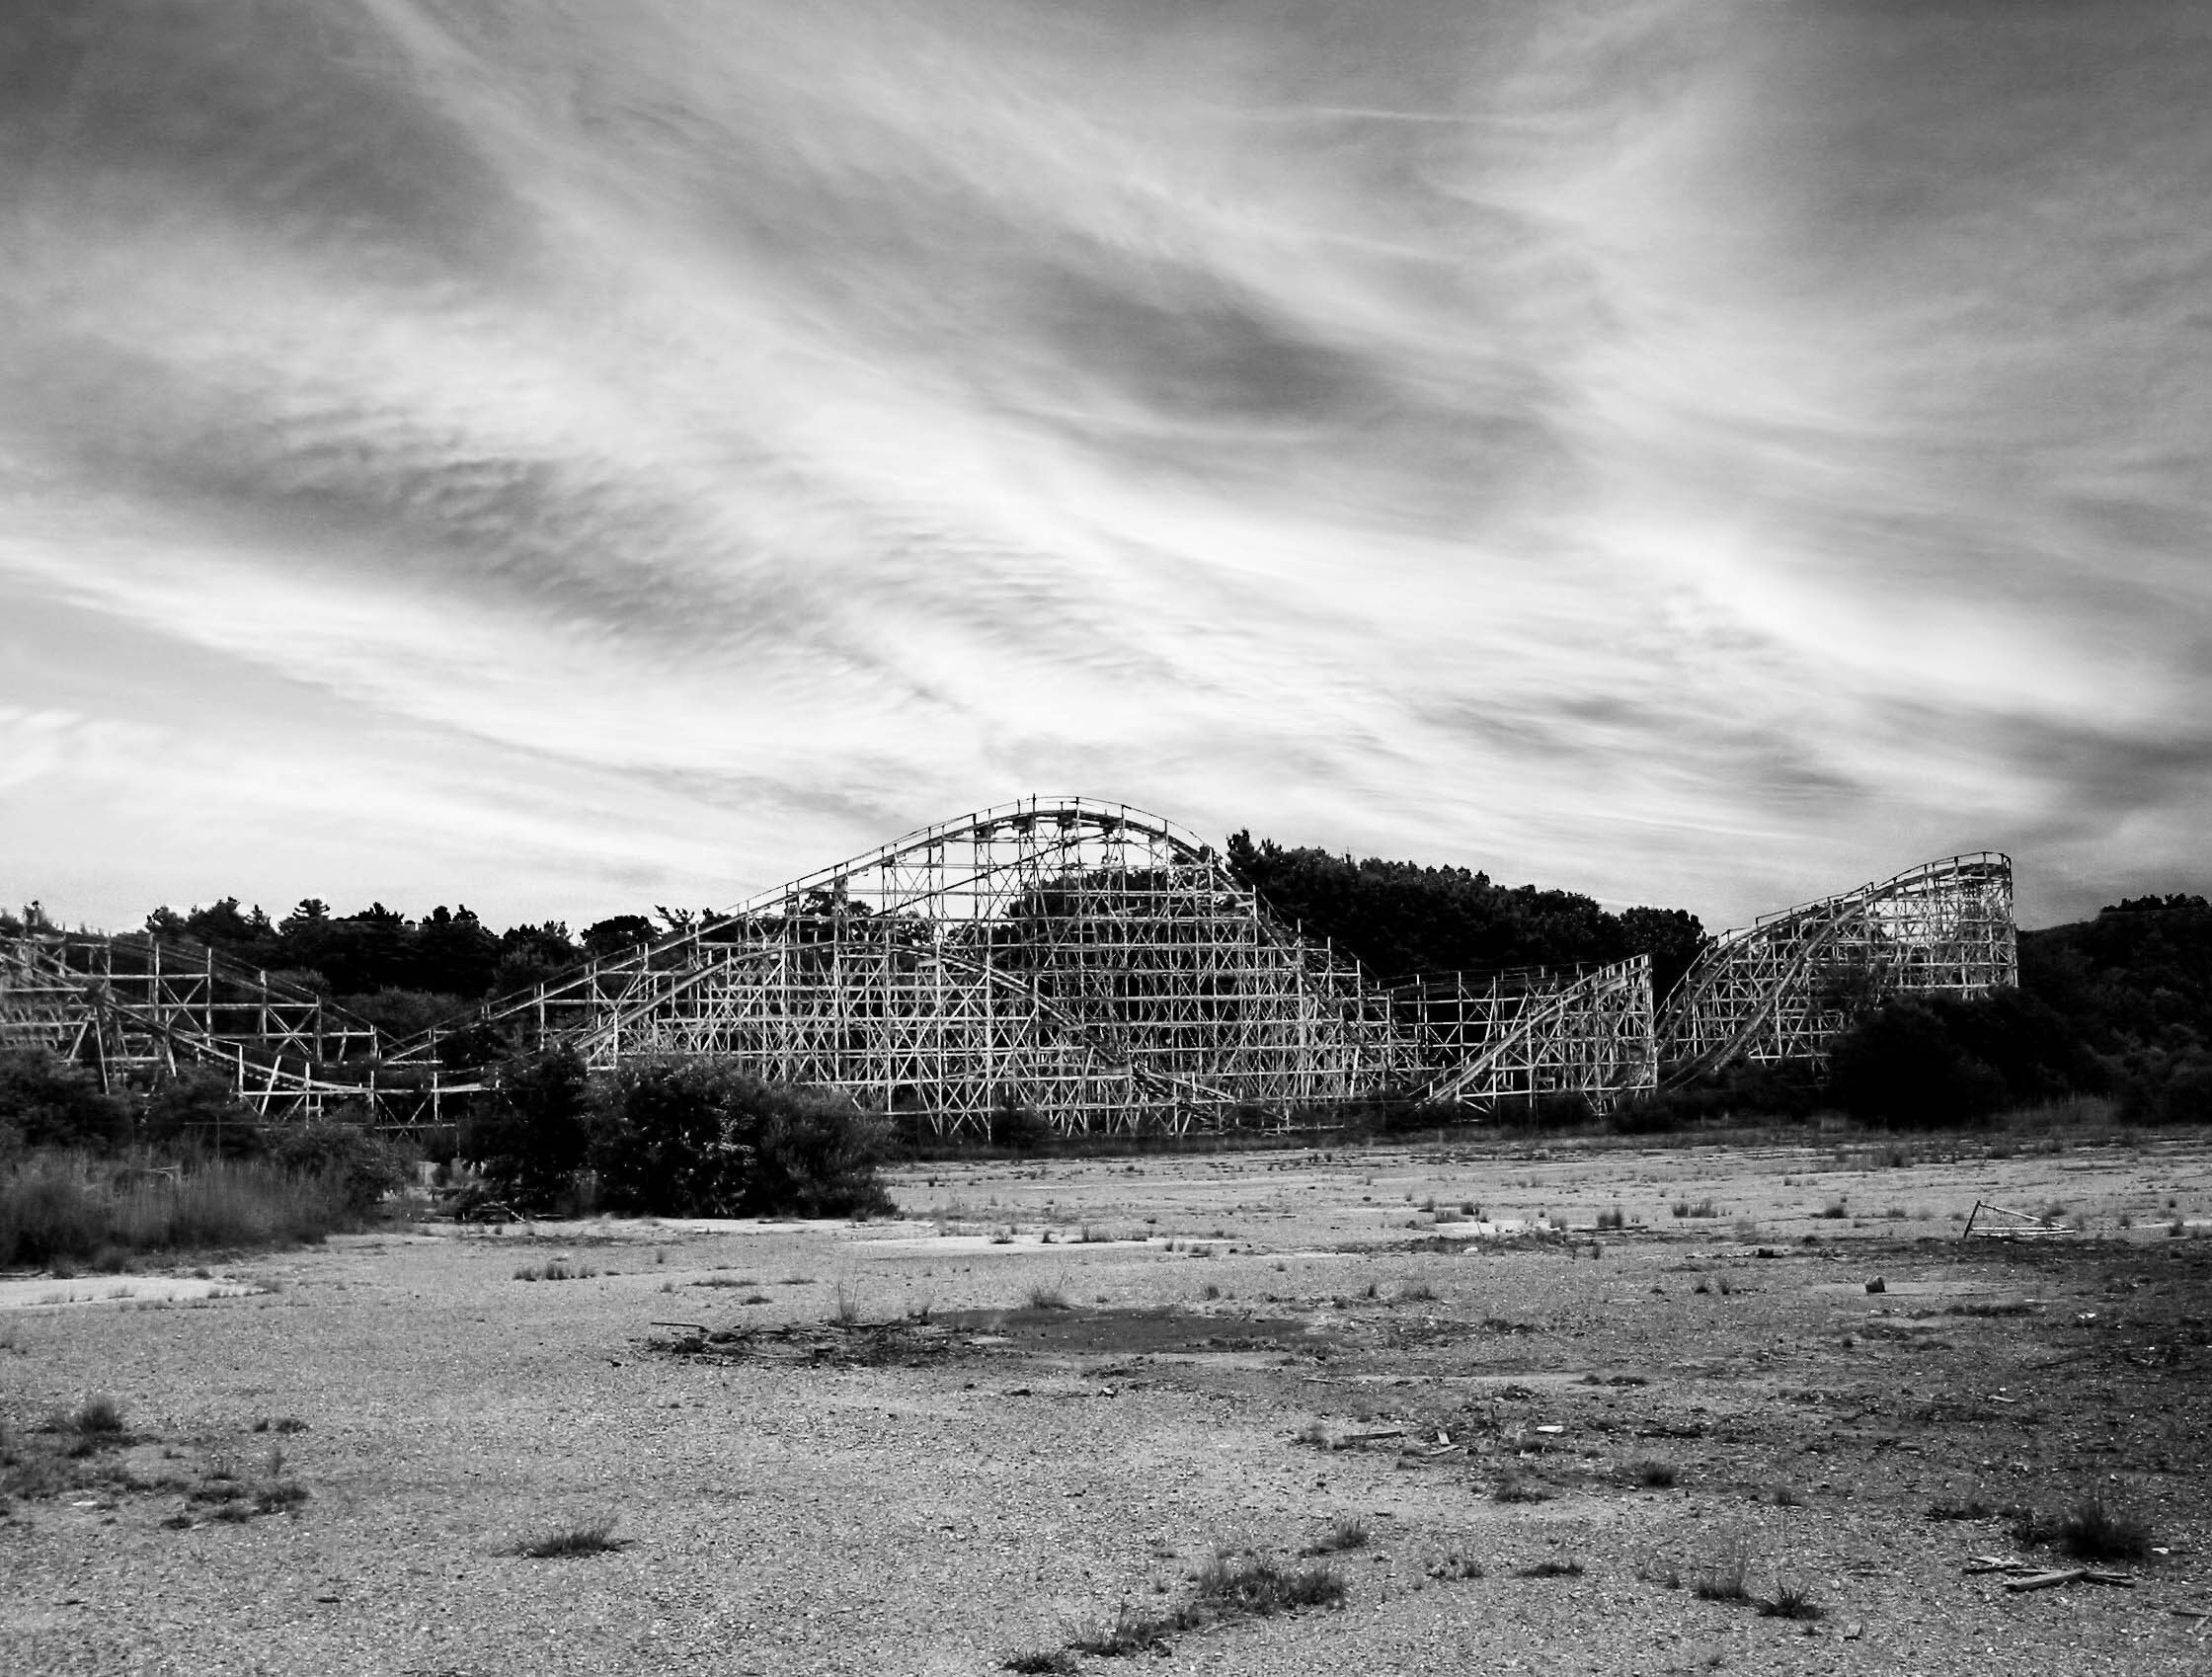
1085, 962
1780, 990
1518, 1035
137, 1008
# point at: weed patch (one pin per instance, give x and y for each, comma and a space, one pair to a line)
1049, 1663
1520, 1487
2095, 1530
1258, 1588
559, 1270
593, 1536
1347, 1530
98, 1416
1569, 1568
1228, 1587
1791, 1600
1726, 1579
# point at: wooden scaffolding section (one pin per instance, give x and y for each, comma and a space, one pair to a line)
1518, 1035
1783, 989
136, 1009
1083, 962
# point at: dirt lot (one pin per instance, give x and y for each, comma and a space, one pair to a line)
1049, 1394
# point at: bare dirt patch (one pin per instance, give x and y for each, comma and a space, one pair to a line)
871, 1447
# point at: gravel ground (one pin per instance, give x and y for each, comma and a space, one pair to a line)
888, 1451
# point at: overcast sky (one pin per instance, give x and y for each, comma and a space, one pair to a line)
563, 455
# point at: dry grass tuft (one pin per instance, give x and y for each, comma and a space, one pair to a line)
1346, 1530
2095, 1530
557, 1269
1569, 1568
1520, 1487
593, 1537
1791, 1599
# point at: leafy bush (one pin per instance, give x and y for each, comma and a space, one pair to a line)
47, 1102
198, 1109
533, 1136
1903, 1065
2167, 1088
354, 1163
1018, 1126
692, 1138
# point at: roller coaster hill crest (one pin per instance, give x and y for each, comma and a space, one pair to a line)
1083, 962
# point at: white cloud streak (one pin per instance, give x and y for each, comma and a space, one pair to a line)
1708, 455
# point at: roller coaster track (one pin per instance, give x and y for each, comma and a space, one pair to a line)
1085, 962
1781, 990
137, 1008
1082, 962
1529, 1032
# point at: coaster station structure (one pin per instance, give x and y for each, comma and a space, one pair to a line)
1782, 989
1082, 962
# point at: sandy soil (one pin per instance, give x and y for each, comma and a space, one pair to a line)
1051, 1391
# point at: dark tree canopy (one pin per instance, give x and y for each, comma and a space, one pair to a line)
1399, 919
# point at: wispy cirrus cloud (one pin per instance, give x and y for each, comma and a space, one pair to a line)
1702, 456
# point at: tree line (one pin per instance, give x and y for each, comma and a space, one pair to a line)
403, 974
1401, 919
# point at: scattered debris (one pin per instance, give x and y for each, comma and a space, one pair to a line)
2001, 1223
2023, 1575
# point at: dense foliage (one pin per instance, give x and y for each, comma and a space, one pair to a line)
674, 1137
1399, 919
2120, 1004
2132, 989
699, 1139
532, 1138
46, 1101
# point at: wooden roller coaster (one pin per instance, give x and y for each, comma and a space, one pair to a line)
1081, 962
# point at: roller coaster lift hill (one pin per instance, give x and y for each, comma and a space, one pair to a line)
1081, 961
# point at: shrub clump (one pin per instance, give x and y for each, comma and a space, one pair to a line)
533, 1136
693, 1137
